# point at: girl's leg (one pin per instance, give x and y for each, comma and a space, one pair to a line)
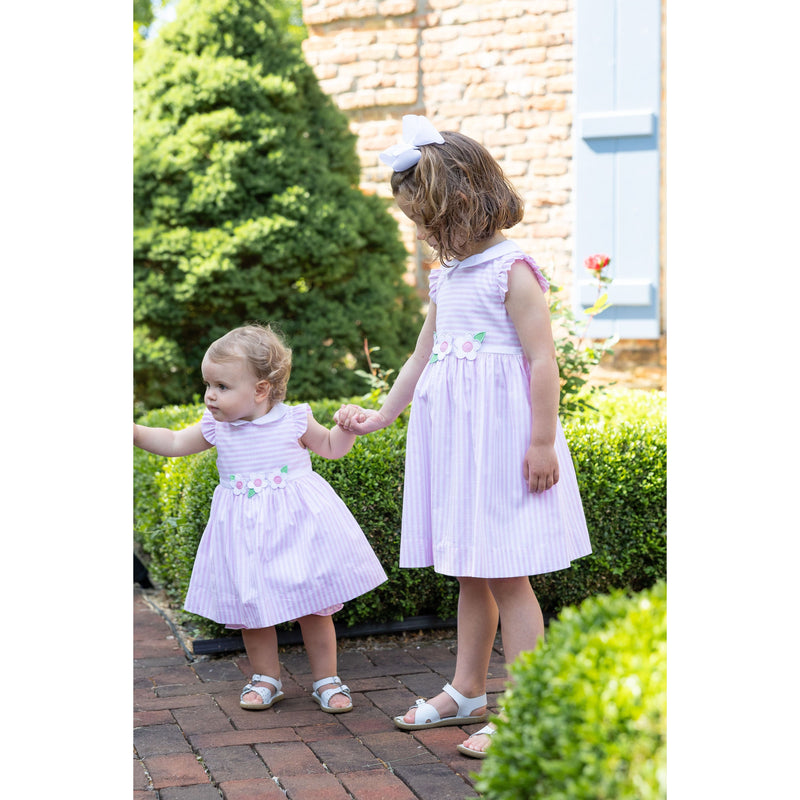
477, 627
261, 645
319, 637
522, 625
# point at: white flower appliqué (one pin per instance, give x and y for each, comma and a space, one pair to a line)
279, 478
442, 346
238, 484
467, 345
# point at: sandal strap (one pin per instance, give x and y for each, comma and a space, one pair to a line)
262, 691
325, 696
424, 712
466, 705
266, 679
487, 730
322, 681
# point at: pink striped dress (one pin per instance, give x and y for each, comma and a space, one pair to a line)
279, 543
466, 507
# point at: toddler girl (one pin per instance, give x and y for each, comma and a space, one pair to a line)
279, 545
490, 492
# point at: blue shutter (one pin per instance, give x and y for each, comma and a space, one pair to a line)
617, 109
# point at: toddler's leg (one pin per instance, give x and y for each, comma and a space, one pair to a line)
477, 627
319, 637
522, 625
261, 645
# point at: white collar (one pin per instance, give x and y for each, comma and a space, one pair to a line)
273, 415
507, 245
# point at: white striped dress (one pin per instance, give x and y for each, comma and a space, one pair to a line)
466, 507
279, 543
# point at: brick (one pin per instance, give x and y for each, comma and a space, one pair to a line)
344, 755
202, 719
318, 787
392, 701
397, 746
159, 740
142, 719
290, 758
331, 730
362, 721
376, 785
421, 684
257, 789
434, 780
196, 792
233, 737
218, 671
141, 781
179, 769
237, 762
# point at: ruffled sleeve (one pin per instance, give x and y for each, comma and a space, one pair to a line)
505, 266
433, 283
208, 427
299, 415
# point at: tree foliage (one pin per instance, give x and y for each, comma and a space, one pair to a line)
247, 208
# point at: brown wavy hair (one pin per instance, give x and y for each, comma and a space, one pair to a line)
265, 351
459, 193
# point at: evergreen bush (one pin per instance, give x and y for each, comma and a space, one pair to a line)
247, 208
585, 716
621, 474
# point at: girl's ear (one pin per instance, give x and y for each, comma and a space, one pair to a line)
263, 390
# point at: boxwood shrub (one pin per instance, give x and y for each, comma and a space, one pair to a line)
621, 472
585, 716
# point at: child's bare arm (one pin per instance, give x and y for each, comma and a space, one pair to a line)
166, 442
333, 443
355, 418
528, 309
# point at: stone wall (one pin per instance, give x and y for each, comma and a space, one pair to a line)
500, 71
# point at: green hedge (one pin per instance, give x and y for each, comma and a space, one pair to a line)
621, 471
585, 718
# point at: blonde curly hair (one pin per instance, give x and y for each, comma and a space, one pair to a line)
264, 350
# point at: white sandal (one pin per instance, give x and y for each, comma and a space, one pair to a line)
324, 698
426, 716
268, 697
487, 730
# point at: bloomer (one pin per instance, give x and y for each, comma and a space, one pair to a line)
466, 345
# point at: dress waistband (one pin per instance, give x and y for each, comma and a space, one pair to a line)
467, 345
252, 483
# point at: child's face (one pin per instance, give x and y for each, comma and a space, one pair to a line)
233, 392
422, 232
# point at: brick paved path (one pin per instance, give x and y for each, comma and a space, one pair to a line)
193, 742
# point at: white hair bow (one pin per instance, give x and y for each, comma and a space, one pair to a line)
416, 131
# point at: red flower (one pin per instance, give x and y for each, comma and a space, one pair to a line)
597, 262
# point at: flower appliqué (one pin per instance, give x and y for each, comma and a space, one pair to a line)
442, 346
279, 478
256, 482
467, 345
238, 484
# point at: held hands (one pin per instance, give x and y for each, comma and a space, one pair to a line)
540, 468
355, 419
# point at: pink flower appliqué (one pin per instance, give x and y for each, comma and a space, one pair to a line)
468, 344
279, 478
442, 346
238, 484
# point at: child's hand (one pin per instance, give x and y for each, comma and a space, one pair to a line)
540, 468
358, 420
